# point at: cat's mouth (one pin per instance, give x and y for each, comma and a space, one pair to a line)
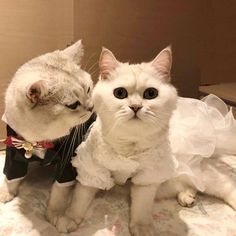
85, 116
135, 117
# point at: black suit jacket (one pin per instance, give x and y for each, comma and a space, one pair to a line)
61, 154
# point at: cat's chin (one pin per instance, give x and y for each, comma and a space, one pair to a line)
134, 126
135, 118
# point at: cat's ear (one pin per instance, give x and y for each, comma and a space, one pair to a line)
107, 63
36, 92
163, 62
75, 51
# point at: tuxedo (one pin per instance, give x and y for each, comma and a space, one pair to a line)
60, 155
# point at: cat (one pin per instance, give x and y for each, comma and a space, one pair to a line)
202, 145
129, 139
47, 97
141, 127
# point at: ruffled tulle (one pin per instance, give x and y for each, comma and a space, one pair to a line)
201, 129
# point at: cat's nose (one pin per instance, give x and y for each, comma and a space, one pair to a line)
135, 107
88, 105
90, 108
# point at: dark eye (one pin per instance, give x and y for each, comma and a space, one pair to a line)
150, 93
88, 90
74, 105
120, 93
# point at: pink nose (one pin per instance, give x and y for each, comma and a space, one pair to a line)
135, 108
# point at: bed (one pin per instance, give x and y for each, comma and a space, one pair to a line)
24, 216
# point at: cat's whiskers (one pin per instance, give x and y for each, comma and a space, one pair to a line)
65, 139
122, 115
155, 119
63, 154
159, 113
95, 64
158, 122
78, 130
111, 129
94, 72
63, 159
89, 59
69, 153
59, 147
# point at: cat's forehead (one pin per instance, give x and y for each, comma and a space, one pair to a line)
56, 67
58, 61
51, 62
135, 76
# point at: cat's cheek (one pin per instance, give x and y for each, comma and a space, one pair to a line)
96, 102
57, 109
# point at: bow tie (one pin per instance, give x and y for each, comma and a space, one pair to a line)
29, 147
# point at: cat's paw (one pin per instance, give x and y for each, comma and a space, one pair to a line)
7, 192
140, 229
231, 199
187, 198
5, 195
52, 216
66, 225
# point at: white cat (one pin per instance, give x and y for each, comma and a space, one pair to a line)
202, 136
140, 135
129, 139
47, 97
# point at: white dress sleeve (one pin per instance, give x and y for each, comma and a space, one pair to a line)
89, 171
156, 166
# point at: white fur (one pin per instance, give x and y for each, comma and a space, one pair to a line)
217, 179
126, 135
119, 130
9, 190
58, 202
60, 81
200, 143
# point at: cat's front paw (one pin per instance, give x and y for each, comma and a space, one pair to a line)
142, 229
5, 195
63, 223
66, 225
52, 216
6, 192
187, 198
231, 199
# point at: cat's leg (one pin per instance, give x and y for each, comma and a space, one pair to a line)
142, 198
60, 192
58, 202
226, 193
9, 189
180, 188
15, 170
231, 199
187, 197
82, 197
220, 180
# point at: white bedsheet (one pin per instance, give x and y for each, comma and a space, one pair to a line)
24, 215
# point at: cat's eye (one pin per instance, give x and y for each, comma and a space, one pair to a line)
88, 90
150, 93
74, 105
120, 93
